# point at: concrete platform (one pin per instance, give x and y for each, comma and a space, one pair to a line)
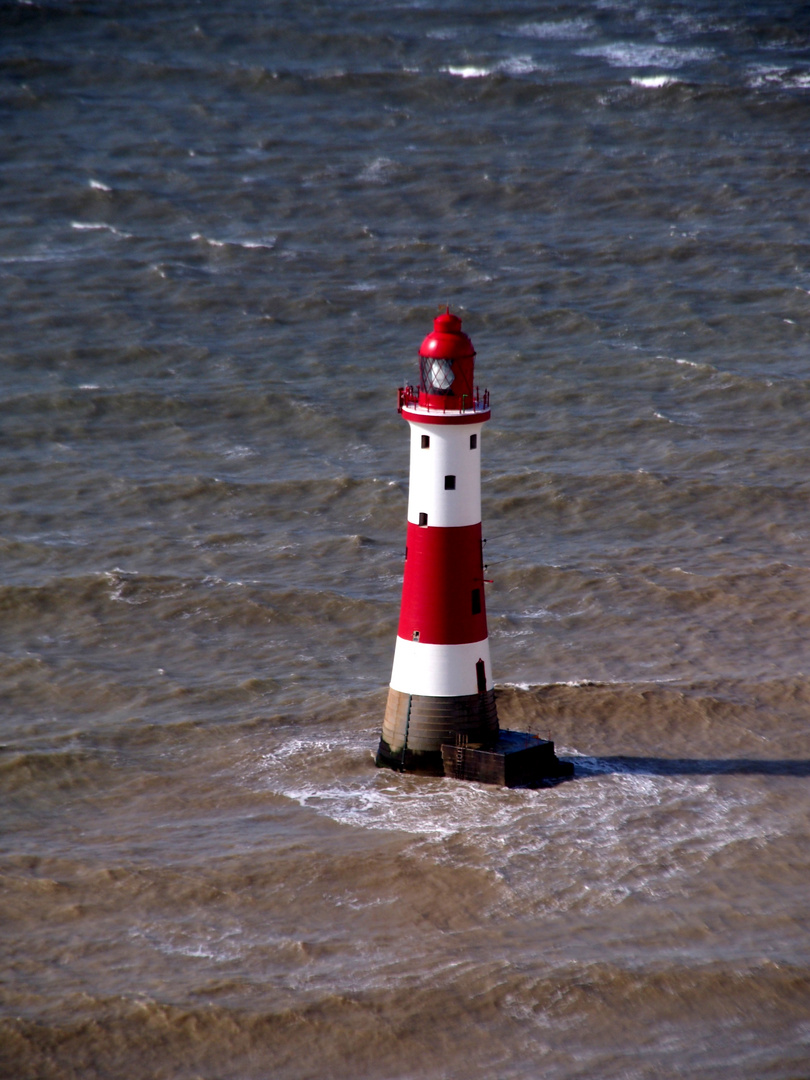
517, 759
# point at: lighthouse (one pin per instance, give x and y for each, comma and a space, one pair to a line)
441, 716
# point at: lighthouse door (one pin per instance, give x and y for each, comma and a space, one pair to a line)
481, 676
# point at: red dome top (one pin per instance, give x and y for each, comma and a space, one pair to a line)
446, 365
447, 339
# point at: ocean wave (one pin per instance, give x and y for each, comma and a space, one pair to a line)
267, 243
100, 226
513, 1015
559, 30
514, 66
654, 82
764, 76
66, 770
469, 71
635, 54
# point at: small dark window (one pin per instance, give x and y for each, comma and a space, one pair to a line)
476, 601
449, 483
481, 676
423, 519
425, 442
406, 553
415, 635
473, 441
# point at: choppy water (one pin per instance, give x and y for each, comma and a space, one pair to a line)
224, 231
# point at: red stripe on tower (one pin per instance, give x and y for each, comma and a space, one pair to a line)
441, 687
443, 588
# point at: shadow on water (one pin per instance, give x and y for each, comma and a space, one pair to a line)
654, 766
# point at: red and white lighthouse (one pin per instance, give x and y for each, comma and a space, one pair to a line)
441, 716
441, 687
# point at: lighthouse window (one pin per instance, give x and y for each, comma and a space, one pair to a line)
423, 519
437, 374
449, 483
476, 601
473, 442
425, 442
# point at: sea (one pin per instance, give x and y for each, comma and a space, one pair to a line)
225, 229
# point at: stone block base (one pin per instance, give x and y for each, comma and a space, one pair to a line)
517, 759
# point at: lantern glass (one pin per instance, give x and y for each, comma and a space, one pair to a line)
437, 374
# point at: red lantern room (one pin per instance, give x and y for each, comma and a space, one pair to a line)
446, 360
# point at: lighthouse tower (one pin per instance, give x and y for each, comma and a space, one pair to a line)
441, 688
441, 717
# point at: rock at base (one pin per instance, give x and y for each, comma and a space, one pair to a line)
517, 759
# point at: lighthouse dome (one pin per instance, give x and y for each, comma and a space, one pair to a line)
446, 360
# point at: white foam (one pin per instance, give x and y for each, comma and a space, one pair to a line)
653, 82
97, 185
467, 72
563, 30
117, 580
693, 364
651, 829
545, 613
510, 634
268, 243
99, 226
378, 171
513, 65
783, 78
570, 682
518, 65
634, 54
377, 800
240, 453
218, 947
